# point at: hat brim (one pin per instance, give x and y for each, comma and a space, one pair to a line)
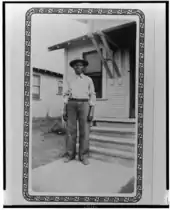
84, 62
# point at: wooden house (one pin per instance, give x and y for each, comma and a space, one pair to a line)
110, 49
47, 87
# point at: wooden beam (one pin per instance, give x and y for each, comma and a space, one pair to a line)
92, 37
110, 60
110, 53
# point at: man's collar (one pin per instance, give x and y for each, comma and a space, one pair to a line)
80, 76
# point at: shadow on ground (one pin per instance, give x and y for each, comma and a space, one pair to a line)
129, 187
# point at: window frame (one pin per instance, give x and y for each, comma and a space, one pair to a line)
34, 95
59, 81
101, 68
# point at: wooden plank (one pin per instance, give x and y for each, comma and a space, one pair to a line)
92, 37
110, 53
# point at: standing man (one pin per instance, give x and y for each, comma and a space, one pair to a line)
79, 101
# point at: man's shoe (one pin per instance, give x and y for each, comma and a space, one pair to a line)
68, 159
85, 161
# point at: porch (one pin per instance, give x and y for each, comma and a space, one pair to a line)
112, 67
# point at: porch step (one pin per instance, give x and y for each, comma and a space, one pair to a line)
114, 122
124, 144
111, 119
107, 139
111, 131
112, 153
109, 159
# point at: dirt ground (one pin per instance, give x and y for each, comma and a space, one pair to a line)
46, 147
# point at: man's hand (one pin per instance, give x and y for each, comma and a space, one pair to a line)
91, 114
89, 118
65, 117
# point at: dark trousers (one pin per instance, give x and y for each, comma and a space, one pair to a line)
77, 112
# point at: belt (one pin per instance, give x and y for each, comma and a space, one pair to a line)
78, 99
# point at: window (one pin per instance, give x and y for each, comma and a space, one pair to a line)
36, 87
94, 70
60, 87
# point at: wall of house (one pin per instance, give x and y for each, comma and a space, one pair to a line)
50, 102
115, 101
117, 94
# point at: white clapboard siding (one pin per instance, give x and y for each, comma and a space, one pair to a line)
117, 104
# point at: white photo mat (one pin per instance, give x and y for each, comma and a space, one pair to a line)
18, 67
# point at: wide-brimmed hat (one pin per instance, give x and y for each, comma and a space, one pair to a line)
84, 62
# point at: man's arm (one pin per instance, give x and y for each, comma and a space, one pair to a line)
92, 101
66, 94
92, 93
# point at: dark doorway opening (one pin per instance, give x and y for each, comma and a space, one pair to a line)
132, 80
94, 70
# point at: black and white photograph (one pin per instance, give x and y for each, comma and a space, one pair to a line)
88, 103
83, 105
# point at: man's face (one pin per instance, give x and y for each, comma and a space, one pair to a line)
78, 68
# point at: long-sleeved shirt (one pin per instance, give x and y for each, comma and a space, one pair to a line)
81, 87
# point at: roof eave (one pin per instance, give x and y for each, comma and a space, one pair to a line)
67, 44
44, 71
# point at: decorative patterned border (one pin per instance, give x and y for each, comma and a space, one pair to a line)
85, 199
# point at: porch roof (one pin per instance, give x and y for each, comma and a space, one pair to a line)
85, 39
69, 43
